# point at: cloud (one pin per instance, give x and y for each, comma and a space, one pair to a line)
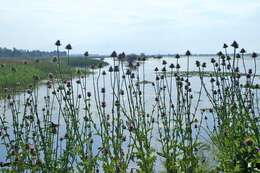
133, 25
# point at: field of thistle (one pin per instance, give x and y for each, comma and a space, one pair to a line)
175, 114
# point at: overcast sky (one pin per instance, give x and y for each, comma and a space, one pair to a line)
133, 26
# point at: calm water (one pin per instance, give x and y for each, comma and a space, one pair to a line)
150, 64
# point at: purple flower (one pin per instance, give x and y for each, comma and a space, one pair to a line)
258, 150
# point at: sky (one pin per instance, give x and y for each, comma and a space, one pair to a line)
133, 26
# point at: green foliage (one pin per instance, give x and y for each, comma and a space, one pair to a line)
21, 73
110, 129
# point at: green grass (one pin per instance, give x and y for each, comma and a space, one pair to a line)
22, 72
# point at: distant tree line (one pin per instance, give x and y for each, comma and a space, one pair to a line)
5, 52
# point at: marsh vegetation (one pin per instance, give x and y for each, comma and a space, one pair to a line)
154, 117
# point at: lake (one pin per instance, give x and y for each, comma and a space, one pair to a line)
147, 74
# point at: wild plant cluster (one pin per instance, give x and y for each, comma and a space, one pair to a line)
107, 122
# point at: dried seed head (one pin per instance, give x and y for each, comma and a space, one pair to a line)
219, 53
68, 47
103, 104
50, 75
187, 53
234, 45
197, 63
164, 62
13, 69
128, 72
163, 69
36, 78
121, 56
254, 55
242, 51
116, 68
228, 58
57, 43
110, 69
86, 54
54, 59
114, 54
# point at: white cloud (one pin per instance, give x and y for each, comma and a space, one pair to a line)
131, 25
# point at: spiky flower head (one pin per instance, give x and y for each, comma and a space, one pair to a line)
242, 50
57, 43
234, 45
86, 54
68, 47
219, 53
121, 56
54, 59
114, 54
225, 46
254, 55
172, 66
164, 62
187, 53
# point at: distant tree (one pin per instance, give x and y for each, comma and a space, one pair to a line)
17, 53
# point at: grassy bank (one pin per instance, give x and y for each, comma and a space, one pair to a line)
23, 72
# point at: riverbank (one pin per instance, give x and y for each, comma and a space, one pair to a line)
20, 73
